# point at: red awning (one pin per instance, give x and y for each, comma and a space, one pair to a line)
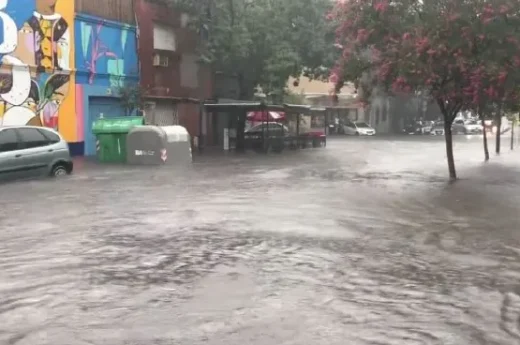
265, 116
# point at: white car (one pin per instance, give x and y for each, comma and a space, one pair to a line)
467, 126
358, 128
438, 128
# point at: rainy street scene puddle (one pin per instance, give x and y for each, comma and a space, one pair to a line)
362, 242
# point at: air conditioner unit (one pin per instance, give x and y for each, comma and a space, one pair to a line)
160, 60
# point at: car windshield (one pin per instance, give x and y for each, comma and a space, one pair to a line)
362, 125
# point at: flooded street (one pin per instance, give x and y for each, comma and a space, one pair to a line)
363, 242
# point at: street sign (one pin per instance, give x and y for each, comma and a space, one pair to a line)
164, 155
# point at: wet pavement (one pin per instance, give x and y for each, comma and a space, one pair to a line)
363, 242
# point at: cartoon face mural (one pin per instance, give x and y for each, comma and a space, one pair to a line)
44, 39
35, 70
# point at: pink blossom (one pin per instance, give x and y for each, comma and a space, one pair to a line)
333, 78
381, 6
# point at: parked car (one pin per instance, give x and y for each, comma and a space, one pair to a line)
267, 128
27, 151
438, 128
412, 128
418, 127
426, 127
461, 126
358, 128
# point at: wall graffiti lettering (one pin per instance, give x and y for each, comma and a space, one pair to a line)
35, 63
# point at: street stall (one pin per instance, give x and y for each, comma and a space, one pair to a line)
269, 128
318, 127
310, 124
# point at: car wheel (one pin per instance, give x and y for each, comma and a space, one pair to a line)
59, 170
357, 133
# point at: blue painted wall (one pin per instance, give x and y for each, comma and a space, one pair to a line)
106, 60
106, 52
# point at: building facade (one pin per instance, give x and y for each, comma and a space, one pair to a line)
37, 65
106, 64
172, 79
61, 68
66, 63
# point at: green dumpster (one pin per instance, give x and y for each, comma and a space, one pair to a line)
111, 137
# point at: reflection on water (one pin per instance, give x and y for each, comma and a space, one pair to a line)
361, 243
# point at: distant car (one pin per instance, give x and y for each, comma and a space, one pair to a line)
412, 128
27, 151
426, 127
358, 128
461, 126
418, 127
438, 128
268, 128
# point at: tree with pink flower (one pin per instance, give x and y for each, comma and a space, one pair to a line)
463, 53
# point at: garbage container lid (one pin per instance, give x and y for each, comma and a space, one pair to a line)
176, 134
116, 124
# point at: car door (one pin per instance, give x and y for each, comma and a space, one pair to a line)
10, 164
350, 128
36, 154
276, 130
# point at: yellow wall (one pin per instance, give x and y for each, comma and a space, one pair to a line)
37, 84
67, 116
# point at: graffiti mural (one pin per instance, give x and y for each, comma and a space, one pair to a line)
106, 53
35, 71
106, 61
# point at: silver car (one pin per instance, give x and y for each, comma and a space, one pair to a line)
27, 152
461, 126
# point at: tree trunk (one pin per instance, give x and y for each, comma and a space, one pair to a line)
449, 117
498, 120
484, 138
448, 137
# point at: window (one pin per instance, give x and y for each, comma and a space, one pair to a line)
164, 37
53, 138
32, 137
8, 140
